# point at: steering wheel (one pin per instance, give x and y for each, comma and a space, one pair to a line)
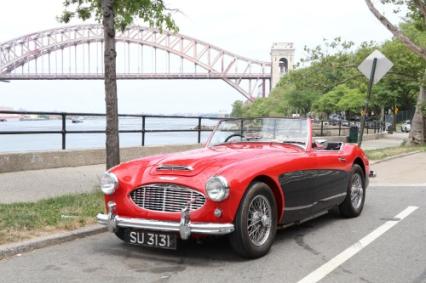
233, 135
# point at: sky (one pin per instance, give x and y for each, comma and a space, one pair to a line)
247, 28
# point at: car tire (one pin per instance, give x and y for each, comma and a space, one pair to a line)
355, 195
244, 239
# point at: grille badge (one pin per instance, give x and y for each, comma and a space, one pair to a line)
169, 178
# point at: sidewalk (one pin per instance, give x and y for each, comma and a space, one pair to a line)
405, 171
39, 184
395, 139
34, 185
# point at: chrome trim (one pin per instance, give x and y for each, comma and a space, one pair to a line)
115, 181
225, 185
184, 230
185, 227
300, 207
314, 203
112, 225
333, 197
171, 167
166, 226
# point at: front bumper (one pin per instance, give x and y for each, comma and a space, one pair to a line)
185, 227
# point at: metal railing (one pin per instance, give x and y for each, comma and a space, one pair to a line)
341, 128
320, 128
143, 131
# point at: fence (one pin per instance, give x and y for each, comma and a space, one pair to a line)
320, 128
143, 125
341, 128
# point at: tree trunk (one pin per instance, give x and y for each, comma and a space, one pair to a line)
112, 138
396, 32
418, 124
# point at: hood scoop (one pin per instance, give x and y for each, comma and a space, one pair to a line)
172, 167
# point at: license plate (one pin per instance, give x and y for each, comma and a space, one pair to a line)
152, 239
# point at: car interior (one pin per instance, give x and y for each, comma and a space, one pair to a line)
326, 145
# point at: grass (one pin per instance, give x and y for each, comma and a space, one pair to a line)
20, 221
377, 154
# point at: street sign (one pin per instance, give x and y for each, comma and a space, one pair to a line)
383, 65
374, 67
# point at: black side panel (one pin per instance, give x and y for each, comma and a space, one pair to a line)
310, 191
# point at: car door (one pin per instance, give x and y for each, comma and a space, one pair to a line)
298, 181
331, 178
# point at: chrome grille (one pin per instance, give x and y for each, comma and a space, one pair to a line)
167, 197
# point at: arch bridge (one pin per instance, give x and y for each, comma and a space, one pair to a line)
76, 53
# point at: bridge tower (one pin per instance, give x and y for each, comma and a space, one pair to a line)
282, 59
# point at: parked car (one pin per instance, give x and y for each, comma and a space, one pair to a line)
406, 126
334, 119
252, 177
346, 123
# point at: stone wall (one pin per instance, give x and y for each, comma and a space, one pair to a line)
11, 162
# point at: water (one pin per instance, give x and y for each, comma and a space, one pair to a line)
37, 142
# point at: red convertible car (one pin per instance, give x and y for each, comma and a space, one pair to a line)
252, 177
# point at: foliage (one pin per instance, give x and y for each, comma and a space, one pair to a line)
237, 109
153, 12
352, 101
412, 34
327, 103
281, 102
333, 68
300, 101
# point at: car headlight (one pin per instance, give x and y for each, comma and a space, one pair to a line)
217, 188
109, 183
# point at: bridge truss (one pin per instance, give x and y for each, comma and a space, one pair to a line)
76, 53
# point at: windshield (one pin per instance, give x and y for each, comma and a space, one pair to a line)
280, 130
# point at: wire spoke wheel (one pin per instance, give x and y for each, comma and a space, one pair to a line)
259, 220
357, 191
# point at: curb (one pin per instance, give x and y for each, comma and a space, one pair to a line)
394, 157
12, 249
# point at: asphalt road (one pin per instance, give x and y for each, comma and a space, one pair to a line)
399, 255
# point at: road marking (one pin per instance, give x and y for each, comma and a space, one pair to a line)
338, 260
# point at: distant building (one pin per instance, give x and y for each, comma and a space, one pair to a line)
282, 57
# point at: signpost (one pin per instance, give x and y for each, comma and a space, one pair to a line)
374, 67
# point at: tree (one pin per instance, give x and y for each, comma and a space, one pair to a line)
333, 67
352, 101
300, 101
237, 109
416, 14
327, 103
116, 13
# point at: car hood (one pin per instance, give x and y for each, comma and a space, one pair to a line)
214, 158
